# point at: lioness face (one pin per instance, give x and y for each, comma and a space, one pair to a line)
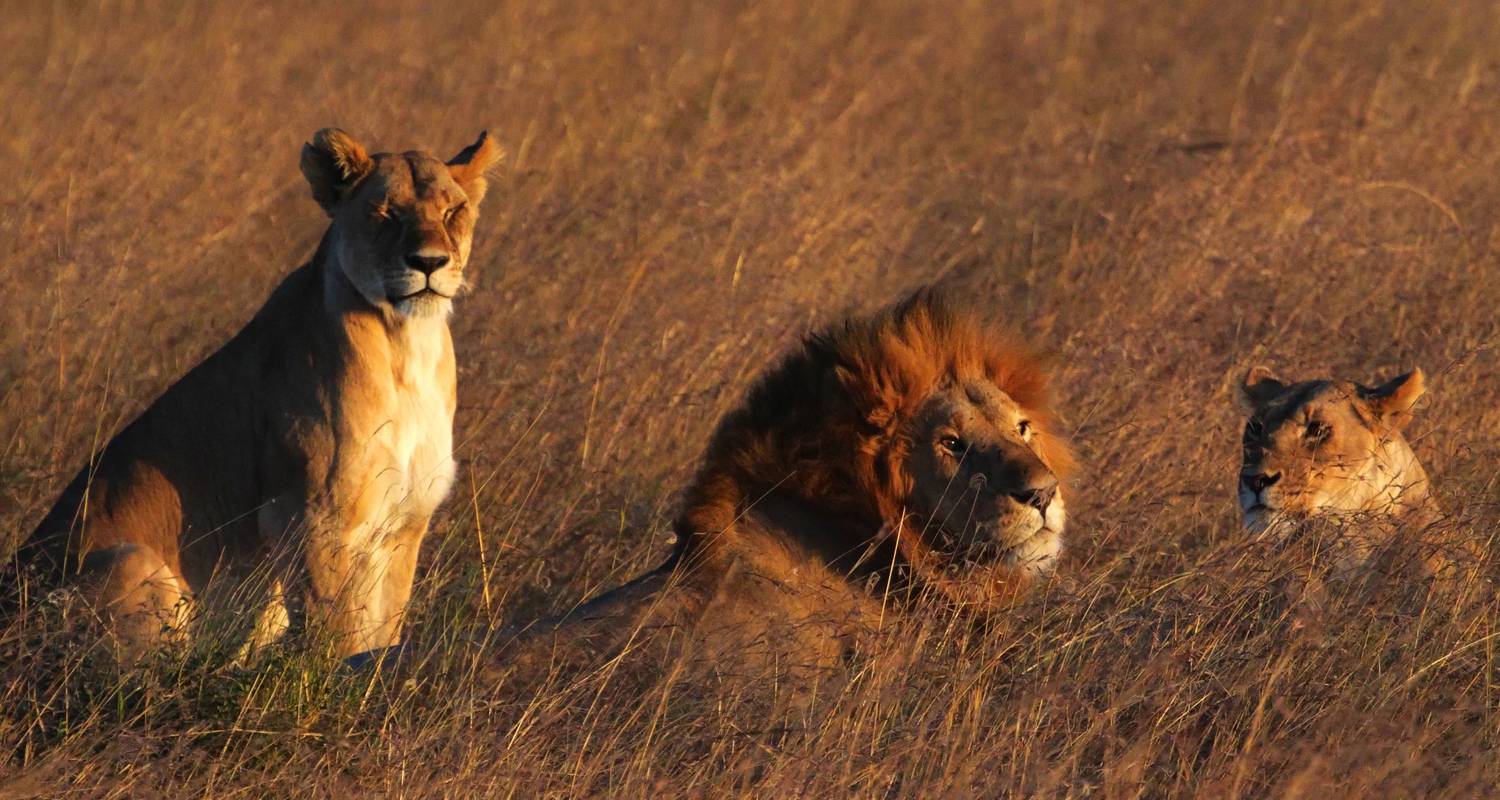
980, 481
1320, 448
403, 223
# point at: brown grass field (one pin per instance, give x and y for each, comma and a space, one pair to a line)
1160, 194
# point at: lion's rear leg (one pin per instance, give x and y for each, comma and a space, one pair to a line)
143, 601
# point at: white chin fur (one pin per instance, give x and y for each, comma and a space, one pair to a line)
1255, 521
1037, 555
1263, 522
428, 305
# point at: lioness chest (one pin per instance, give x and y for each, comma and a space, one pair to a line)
412, 453
391, 463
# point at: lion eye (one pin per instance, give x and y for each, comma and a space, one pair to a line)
453, 213
1317, 431
953, 445
1024, 427
387, 216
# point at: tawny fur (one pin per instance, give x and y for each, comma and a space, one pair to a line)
297, 466
1333, 453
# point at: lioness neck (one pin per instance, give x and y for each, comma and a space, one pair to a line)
1402, 485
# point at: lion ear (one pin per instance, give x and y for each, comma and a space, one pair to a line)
1258, 386
1394, 399
873, 406
333, 162
469, 166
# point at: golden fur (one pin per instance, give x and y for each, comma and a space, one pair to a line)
836, 489
301, 462
1333, 451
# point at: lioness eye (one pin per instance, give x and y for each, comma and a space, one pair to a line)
1317, 431
387, 216
453, 213
1024, 427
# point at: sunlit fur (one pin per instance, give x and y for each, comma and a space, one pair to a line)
386, 210
822, 501
299, 465
1333, 451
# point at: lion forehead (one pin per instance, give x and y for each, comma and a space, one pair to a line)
982, 393
973, 405
410, 179
1328, 402
430, 176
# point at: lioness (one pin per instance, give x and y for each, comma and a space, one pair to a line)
1332, 451
309, 451
913, 449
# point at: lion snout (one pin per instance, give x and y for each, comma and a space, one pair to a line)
1258, 481
1038, 497
427, 261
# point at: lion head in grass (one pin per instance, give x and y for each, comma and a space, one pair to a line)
1331, 455
1328, 448
918, 426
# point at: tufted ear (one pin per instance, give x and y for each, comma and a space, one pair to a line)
875, 415
1393, 400
469, 166
333, 162
1258, 386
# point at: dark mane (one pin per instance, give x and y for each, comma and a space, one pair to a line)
830, 423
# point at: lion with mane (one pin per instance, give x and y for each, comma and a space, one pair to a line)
911, 452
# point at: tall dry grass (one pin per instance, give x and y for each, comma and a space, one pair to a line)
1161, 193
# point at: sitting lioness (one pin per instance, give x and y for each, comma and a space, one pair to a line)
297, 466
1332, 451
909, 452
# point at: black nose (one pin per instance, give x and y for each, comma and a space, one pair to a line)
426, 264
1038, 499
1260, 482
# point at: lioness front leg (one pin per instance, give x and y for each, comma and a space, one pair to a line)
387, 615
359, 582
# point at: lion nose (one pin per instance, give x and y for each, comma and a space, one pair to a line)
1036, 497
1260, 482
426, 263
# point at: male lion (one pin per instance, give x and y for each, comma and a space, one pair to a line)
910, 450
310, 451
1332, 452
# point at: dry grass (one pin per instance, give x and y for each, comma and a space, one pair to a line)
1163, 193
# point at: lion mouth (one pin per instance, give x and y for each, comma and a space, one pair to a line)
427, 290
987, 547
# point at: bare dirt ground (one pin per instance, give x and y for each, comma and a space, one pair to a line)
1161, 194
